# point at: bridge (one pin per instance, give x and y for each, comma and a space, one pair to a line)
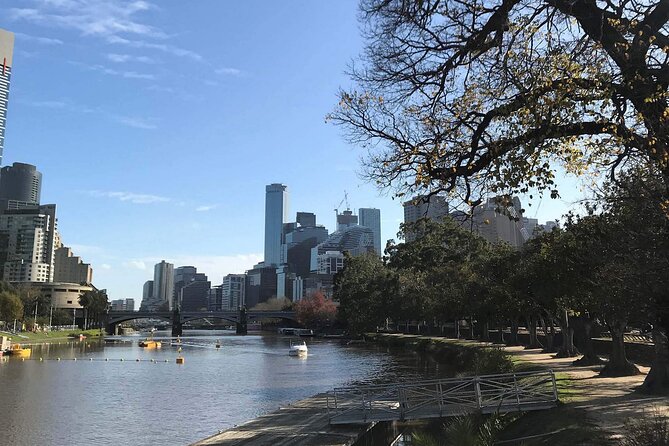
177, 318
512, 392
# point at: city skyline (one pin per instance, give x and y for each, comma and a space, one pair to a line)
113, 157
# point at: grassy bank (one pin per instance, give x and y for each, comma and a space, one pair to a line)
563, 425
30, 337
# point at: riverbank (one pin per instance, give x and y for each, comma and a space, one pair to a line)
47, 337
603, 404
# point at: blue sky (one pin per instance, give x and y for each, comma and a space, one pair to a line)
158, 124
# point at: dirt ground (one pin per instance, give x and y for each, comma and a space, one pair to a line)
608, 401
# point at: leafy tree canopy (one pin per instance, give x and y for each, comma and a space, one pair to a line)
492, 96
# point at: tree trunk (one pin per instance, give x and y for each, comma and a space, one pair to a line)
657, 380
513, 339
567, 350
457, 329
471, 327
485, 330
618, 364
549, 333
532, 328
500, 339
584, 332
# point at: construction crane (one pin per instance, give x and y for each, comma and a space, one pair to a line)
343, 201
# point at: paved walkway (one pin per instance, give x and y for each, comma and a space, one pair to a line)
608, 401
304, 423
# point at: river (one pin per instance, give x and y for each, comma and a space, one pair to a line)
110, 402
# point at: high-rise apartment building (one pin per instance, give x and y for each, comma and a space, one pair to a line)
123, 304
6, 53
276, 214
371, 218
27, 244
163, 285
20, 186
233, 289
70, 268
434, 208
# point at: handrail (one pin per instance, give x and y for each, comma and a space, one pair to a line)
442, 397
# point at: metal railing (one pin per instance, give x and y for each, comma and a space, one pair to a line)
443, 398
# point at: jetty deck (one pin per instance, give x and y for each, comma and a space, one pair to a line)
303, 423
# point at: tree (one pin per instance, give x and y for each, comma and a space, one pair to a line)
274, 304
95, 303
315, 311
366, 290
11, 307
487, 96
478, 97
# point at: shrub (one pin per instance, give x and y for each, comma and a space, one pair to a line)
650, 430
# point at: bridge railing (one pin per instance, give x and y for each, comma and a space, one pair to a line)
442, 398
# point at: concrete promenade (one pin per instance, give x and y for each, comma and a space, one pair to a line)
303, 423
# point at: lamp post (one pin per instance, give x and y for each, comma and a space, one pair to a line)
50, 316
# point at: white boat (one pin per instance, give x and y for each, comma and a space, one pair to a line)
298, 348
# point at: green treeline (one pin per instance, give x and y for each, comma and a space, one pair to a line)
24, 307
608, 267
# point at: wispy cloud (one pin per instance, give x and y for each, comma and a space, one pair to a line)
229, 71
62, 104
136, 264
143, 123
214, 266
206, 208
39, 39
136, 122
131, 197
89, 17
111, 20
165, 48
124, 58
106, 266
113, 72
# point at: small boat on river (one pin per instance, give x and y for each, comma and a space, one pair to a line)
19, 351
298, 348
150, 343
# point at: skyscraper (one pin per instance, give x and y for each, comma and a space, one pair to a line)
163, 285
276, 214
27, 244
6, 53
434, 208
371, 218
20, 186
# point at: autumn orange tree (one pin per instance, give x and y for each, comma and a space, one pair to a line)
315, 311
478, 97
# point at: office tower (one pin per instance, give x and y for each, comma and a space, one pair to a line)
276, 214
356, 240
191, 289
216, 298
195, 295
434, 208
261, 285
147, 296
27, 244
371, 218
306, 219
233, 290
70, 268
6, 53
346, 219
498, 219
20, 186
123, 304
163, 286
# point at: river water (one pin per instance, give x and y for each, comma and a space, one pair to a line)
111, 402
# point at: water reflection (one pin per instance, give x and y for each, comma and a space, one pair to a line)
107, 401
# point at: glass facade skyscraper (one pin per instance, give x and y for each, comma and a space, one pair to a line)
6, 53
276, 214
371, 218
